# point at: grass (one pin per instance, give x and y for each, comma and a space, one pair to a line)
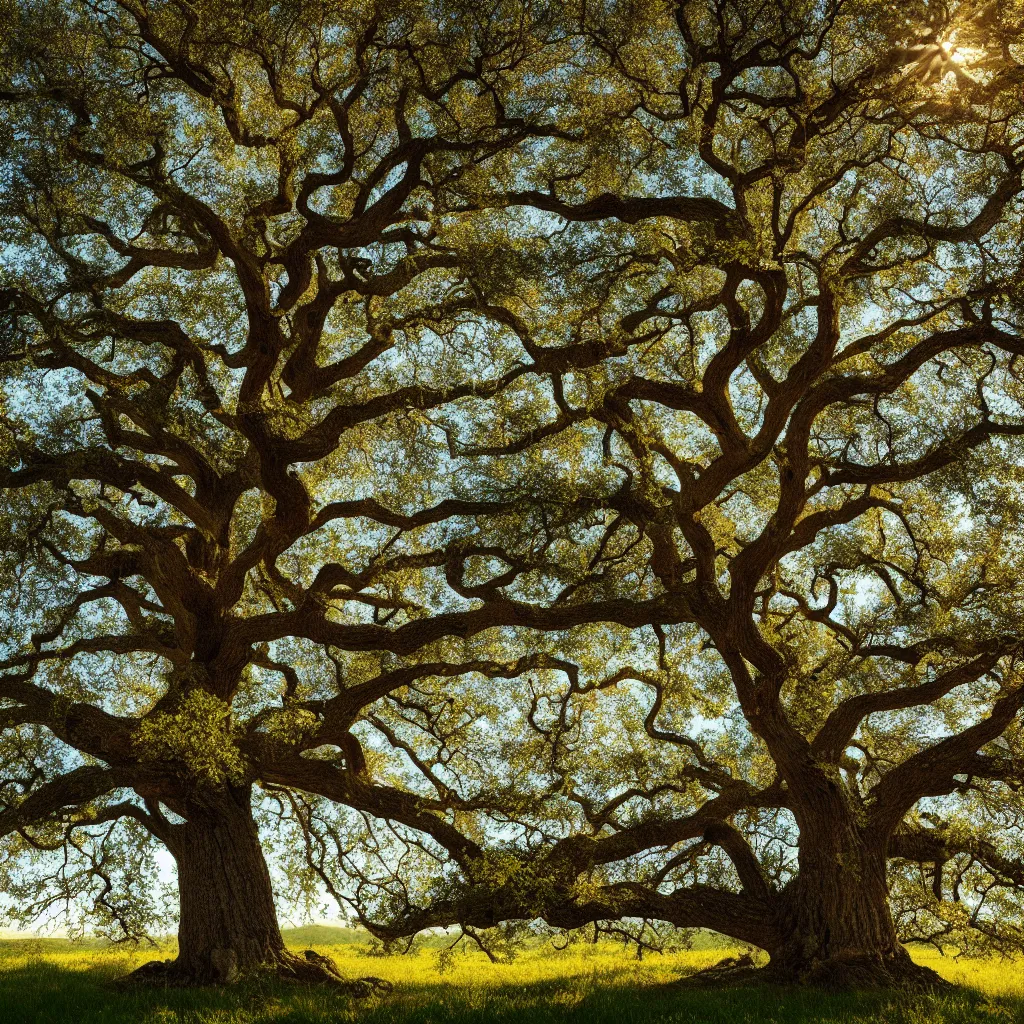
55, 982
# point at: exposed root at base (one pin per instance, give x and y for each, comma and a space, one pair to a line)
313, 968
306, 968
865, 973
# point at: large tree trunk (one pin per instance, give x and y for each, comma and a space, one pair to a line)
228, 926
832, 923
837, 927
228, 922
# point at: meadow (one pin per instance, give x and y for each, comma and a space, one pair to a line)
56, 982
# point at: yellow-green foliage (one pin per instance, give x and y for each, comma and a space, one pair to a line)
196, 736
584, 984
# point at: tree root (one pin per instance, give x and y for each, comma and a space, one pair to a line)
862, 973
306, 968
868, 972
313, 968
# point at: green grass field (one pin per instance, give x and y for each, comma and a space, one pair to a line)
54, 982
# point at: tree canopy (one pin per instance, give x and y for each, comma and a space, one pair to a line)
546, 463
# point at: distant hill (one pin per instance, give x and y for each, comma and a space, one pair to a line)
25, 942
323, 935
329, 935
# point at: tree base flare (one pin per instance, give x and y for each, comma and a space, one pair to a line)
306, 968
846, 974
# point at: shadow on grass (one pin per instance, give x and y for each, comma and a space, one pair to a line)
44, 992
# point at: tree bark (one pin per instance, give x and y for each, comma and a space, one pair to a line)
228, 922
837, 927
228, 928
833, 925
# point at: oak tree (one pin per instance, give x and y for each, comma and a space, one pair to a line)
779, 312
231, 296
